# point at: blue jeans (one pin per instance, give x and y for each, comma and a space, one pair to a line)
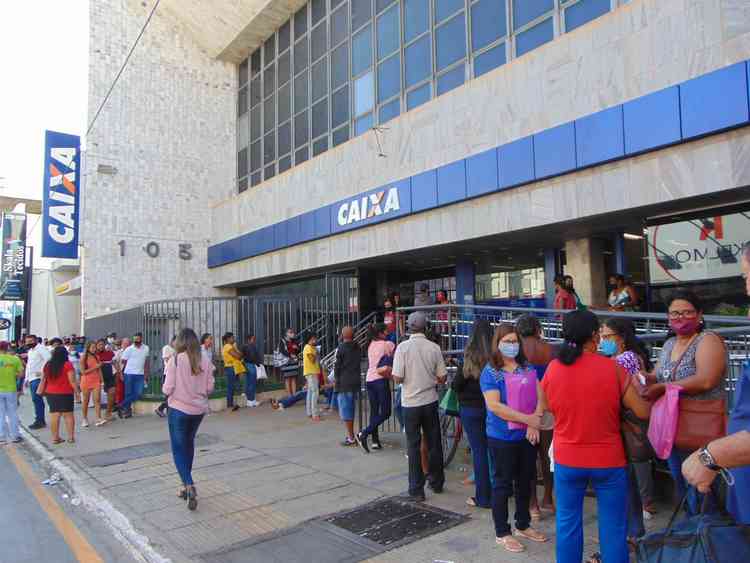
38, 402
474, 423
635, 506
379, 393
8, 410
611, 487
182, 430
134, 383
231, 378
292, 399
251, 381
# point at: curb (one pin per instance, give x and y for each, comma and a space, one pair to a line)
137, 544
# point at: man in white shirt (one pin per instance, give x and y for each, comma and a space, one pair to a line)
419, 366
136, 374
37, 357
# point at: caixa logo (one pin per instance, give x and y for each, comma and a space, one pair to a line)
62, 194
373, 205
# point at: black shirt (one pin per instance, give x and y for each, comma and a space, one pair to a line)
251, 355
347, 370
468, 389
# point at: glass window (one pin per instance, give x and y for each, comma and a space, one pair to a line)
242, 185
285, 164
381, 5
418, 61
525, 11
300, 130
255, 97
451, 42
389, 78
255, 119
363, 94
418, 96
269, 147
255, 162
445, 8
361, 13
534, 37
319, 118
283, 68
340, 136
243, 72
255, 63
340, 107
285, 103
300, 156
487, 23
319, 75
339, 66
256, 179
300, 55
416, 18
318, 42
362, 51
320, 146
242, 163
269, 50
318, 10
269, 115
300, 22
388, 32
339, 26
285, 138
584, 12
335, 3
389, 111
269, 172
284, 37
300, 92
450, 80
242, 101
269, 81
363, 124
242, 130
488, 60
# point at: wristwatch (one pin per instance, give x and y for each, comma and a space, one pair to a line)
708, 460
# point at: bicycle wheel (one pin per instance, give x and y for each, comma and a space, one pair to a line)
451, 432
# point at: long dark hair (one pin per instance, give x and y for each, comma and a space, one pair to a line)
625, 330
501, 332
57, 361
578, 328
374, 332
478, 349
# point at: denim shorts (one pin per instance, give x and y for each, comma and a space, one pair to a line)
346, 405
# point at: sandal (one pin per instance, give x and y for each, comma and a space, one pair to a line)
536, 514
182, 493
192, 498
58, 441
510, 544
71, 440
471, 501
531, 534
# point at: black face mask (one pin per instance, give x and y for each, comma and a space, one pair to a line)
137, 342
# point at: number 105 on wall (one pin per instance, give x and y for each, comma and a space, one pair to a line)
153, 249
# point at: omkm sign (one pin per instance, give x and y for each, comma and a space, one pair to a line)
62, 165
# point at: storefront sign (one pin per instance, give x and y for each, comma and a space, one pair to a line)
698, 249
62, 165
12, 278
372, 207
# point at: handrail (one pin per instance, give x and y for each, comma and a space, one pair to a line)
360, 329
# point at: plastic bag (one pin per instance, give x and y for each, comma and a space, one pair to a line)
662, 427
521, 394
261, 371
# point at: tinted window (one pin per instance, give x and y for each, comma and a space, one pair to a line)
255, 162
300, 55
490, 59
363, 124
319, 75
416, 18
269, 81
340, 107
242, 130
283, 68
389, 111
285, 164
256, 179
319, 118
318, 42
388, 32
242, 163
340, 136
269, 49
255, 63
361, 13
300, 130
339, 66
525, 11
243, 72
362, 51
445, 8
320, 146
417, 97
284, 109
389, 78
242, 185
269, 172
269, 115
363, 94
418, 61
300, 92
487, 22
285, 138
534, 37
381, 5
318, 10
451, 42
255, 123
450, 80
255, 97
284, 35
584, 12
300, 156
300, 22
339, 26
269, 148
242, 101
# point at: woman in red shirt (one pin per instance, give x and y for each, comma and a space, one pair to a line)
60, 387
585, 391
564, 300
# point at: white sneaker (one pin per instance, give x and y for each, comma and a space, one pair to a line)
85, 423
253, 404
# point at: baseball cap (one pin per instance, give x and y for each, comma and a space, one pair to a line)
417, 320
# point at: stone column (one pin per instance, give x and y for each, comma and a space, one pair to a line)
585, 262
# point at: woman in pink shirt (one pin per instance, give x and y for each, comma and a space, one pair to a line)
188, 382
378, 388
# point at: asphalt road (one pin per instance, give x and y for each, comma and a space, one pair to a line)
38, 524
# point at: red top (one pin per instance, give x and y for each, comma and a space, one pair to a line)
59, 384
564, 300
105, 356
585, 399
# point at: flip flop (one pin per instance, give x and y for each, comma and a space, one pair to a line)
510, 544
58, 441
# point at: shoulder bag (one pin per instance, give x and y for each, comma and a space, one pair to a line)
634, 431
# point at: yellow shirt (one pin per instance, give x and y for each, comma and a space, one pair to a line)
311, 367
230, 361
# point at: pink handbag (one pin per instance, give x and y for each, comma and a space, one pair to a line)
520, 390
662, 427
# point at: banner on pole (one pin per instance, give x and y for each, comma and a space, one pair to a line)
12, 276
62, 168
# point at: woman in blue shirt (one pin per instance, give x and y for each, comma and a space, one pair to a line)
513, 448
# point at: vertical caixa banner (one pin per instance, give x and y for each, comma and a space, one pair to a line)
62, 166
13, 275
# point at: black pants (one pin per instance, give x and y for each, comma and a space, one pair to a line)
419, 420
515, 465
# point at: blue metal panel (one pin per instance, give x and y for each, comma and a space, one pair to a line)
555, 151
280, 235
322, 222
374, 206
451, 182
265, 239
294, 230
481, 173
515, 161
599, 137
714, 101
307, 226
215, 255
652, 121
424, 191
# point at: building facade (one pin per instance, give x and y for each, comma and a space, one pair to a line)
476, 146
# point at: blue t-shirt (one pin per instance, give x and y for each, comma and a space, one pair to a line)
540, 370
497, 428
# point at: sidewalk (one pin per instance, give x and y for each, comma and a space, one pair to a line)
260, 473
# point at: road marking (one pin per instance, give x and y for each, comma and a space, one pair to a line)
81, 548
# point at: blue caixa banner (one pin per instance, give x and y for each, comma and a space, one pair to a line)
62, 198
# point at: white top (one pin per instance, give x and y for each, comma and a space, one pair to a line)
208, 353
166, 352
420, 363
37, 357
136, 358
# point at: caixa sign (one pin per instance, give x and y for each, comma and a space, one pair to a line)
372, 207
62, 169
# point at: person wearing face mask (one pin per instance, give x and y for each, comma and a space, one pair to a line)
289, 349
695, 360
389, 320
512, 435
136, 358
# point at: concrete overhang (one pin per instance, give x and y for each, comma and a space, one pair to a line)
229, 30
